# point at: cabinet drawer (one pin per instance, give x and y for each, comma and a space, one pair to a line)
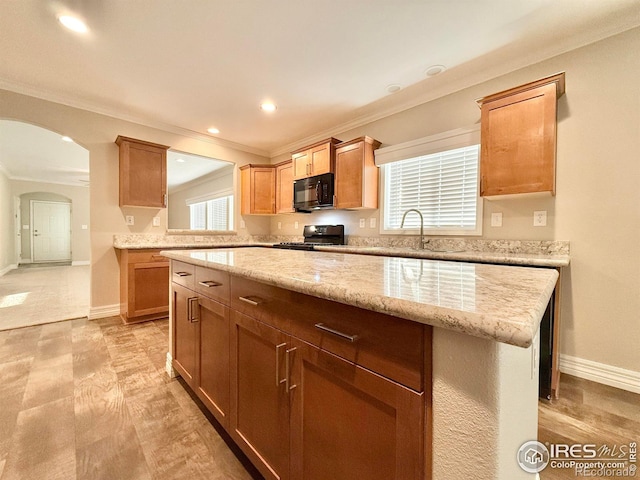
183, 274
145, 256
213, 284
390, 346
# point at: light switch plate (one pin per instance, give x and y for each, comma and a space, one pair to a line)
129, 220
279, 225
156, 221
496, 219
372, 222
362, 222
540, 218
295, 225
85, 227
242, 224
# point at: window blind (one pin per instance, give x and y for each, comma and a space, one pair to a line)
198, 216
216, 214
443, 186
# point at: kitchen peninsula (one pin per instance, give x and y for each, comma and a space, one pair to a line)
451, 345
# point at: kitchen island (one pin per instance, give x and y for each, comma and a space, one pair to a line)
480, 325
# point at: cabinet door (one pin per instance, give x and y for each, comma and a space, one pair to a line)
143, 173
185, 332
518, 143
213, 385
349, 423
349, 176
263, 191
320, 159
300, 163
259, 420
147, 289
284, 188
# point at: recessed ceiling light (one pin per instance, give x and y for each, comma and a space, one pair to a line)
393, 88
268, 107
180, 160
434, 70
67, 139
213, 130
73, 23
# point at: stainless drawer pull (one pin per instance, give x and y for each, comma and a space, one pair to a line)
351, 338
192, 309
249, 301
182, 274
278, 381
209, 283
287, 369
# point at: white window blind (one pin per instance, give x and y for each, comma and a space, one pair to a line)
443, 186
216, 214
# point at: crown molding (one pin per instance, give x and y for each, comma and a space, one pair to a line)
50, 96
37, 180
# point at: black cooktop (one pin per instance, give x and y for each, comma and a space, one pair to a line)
316, 235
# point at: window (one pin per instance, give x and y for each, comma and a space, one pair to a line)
215, 214
437, 176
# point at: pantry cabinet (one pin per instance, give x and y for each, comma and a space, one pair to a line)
314, 159
284, 187
518, 138
143, 173
356, 174
258, 192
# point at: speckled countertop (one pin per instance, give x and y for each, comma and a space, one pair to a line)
503, 258
503, 303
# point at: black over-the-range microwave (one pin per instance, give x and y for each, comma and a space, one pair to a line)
313, 193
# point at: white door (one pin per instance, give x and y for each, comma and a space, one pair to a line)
51, 231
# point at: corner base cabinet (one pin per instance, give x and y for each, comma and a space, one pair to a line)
307, 388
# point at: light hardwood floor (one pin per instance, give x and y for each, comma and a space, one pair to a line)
90, 400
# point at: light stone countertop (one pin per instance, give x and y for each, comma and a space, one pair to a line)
503, 303
503, 258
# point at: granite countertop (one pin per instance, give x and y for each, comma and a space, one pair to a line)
531, 259
503, 303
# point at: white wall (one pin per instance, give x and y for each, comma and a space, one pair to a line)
7, 245
597, 206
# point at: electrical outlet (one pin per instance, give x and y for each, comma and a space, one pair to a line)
279, 225
129, 220
85, 227
295, 225
156, 221
496, 219
362, 223
540, 218
372, 222
242, 224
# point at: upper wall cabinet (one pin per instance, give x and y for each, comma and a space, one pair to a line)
257, 183
143, 173
315, 159
284, 187
518, 138
356, 174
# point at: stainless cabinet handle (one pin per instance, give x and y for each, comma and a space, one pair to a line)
324, 328
209, 284
192, 313
249, 301
287, 369
278, 381
182, 274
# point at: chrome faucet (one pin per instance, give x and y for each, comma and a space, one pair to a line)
421, 224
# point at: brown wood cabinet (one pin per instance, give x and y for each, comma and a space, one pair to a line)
315, 389
314, 159
356, 174
258, 185
143, 173
284, 187
201, 327
144, 285
518, 138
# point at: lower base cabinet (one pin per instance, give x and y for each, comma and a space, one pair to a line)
296, 409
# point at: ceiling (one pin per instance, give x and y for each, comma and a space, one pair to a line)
327, 64
183, 168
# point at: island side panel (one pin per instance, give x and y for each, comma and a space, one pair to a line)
484, 407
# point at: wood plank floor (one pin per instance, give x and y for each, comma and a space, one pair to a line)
588, 412
90, 400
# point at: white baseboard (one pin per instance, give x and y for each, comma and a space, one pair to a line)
601, 373
104, 311
7, 269
78, 263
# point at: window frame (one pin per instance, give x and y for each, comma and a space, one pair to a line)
450, 140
